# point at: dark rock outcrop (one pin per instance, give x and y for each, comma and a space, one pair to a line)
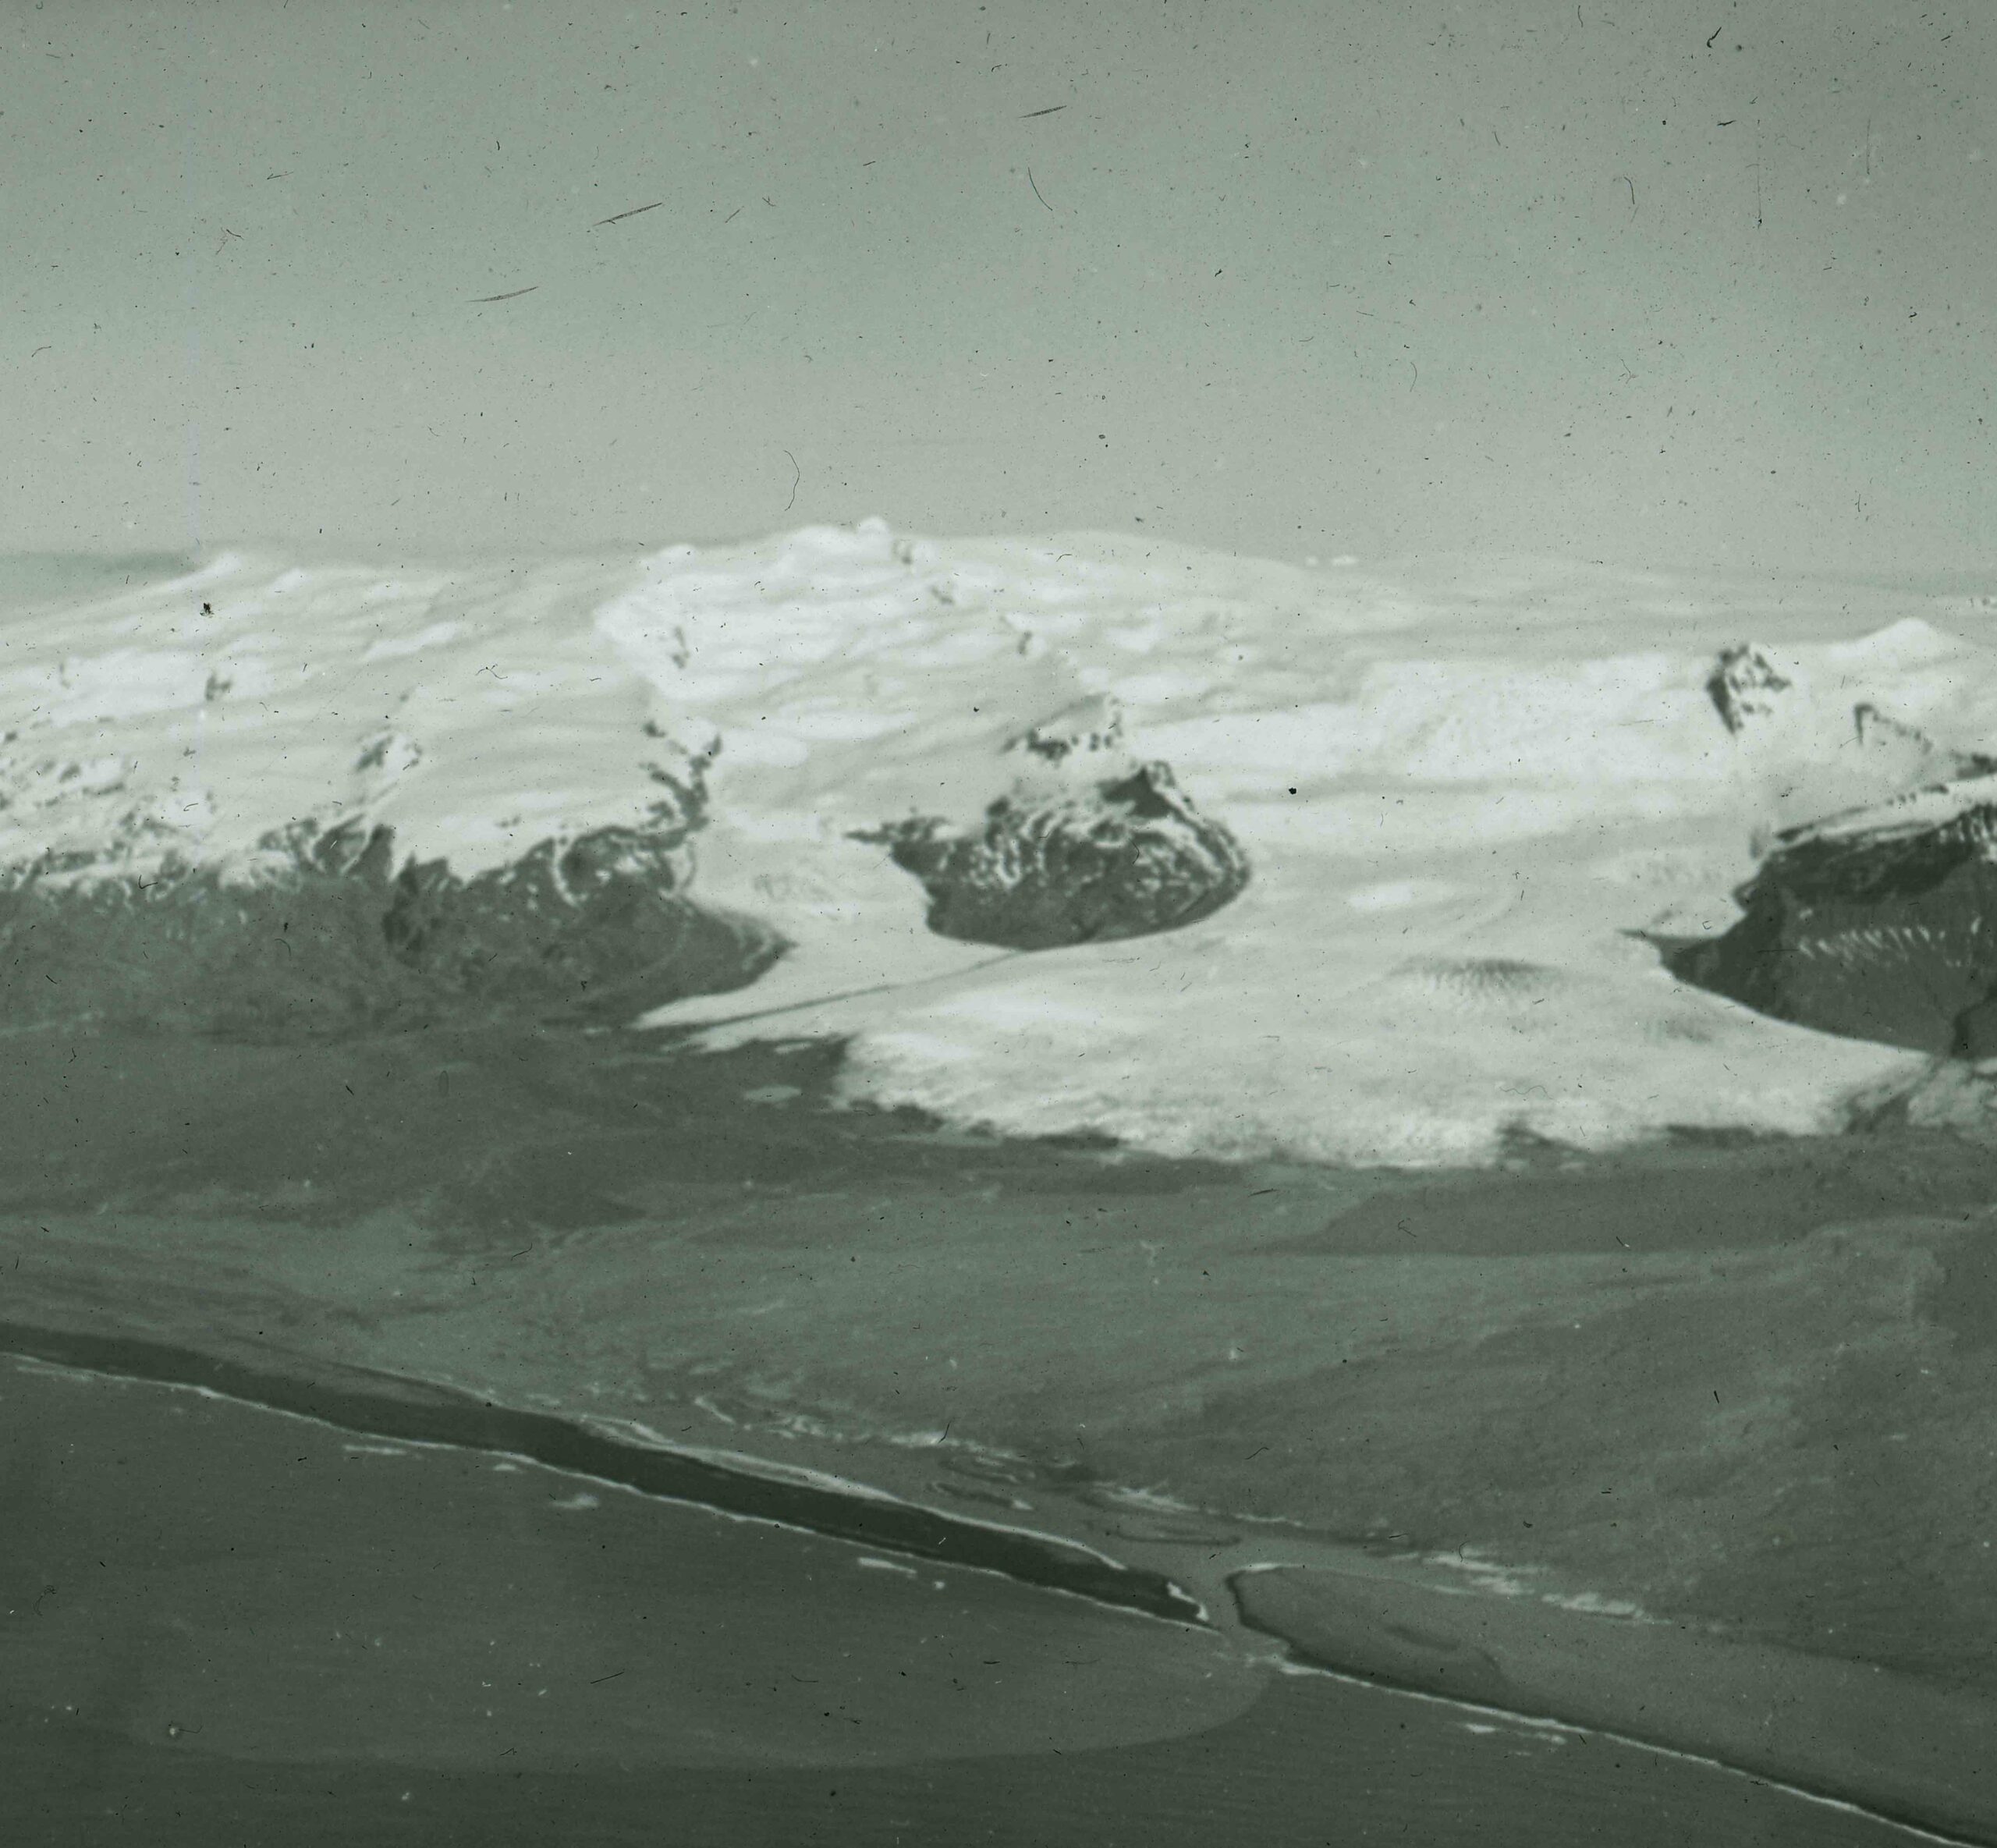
330, 939
1745, 688
1090, 846
1754, 698
1880, 924
1879, 731
589, 928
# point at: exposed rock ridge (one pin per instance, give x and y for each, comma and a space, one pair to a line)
1877, 920
318, 931
1878, 924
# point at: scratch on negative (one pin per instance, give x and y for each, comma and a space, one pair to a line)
616, 217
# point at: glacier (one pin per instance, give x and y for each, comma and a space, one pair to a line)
1476, 797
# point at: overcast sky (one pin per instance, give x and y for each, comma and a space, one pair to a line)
1659, 282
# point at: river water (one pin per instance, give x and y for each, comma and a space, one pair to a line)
226, 1624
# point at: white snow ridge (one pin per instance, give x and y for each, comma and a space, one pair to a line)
1465, 799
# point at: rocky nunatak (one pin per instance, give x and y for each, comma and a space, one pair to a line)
1879, 923
1745, 688
1089, 844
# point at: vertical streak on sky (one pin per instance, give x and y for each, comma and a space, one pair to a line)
191, 364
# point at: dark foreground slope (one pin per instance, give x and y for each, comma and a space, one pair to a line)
1747, 1389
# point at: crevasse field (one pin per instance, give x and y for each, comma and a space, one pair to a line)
1476, 800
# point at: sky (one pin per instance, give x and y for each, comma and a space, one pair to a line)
1666, 283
